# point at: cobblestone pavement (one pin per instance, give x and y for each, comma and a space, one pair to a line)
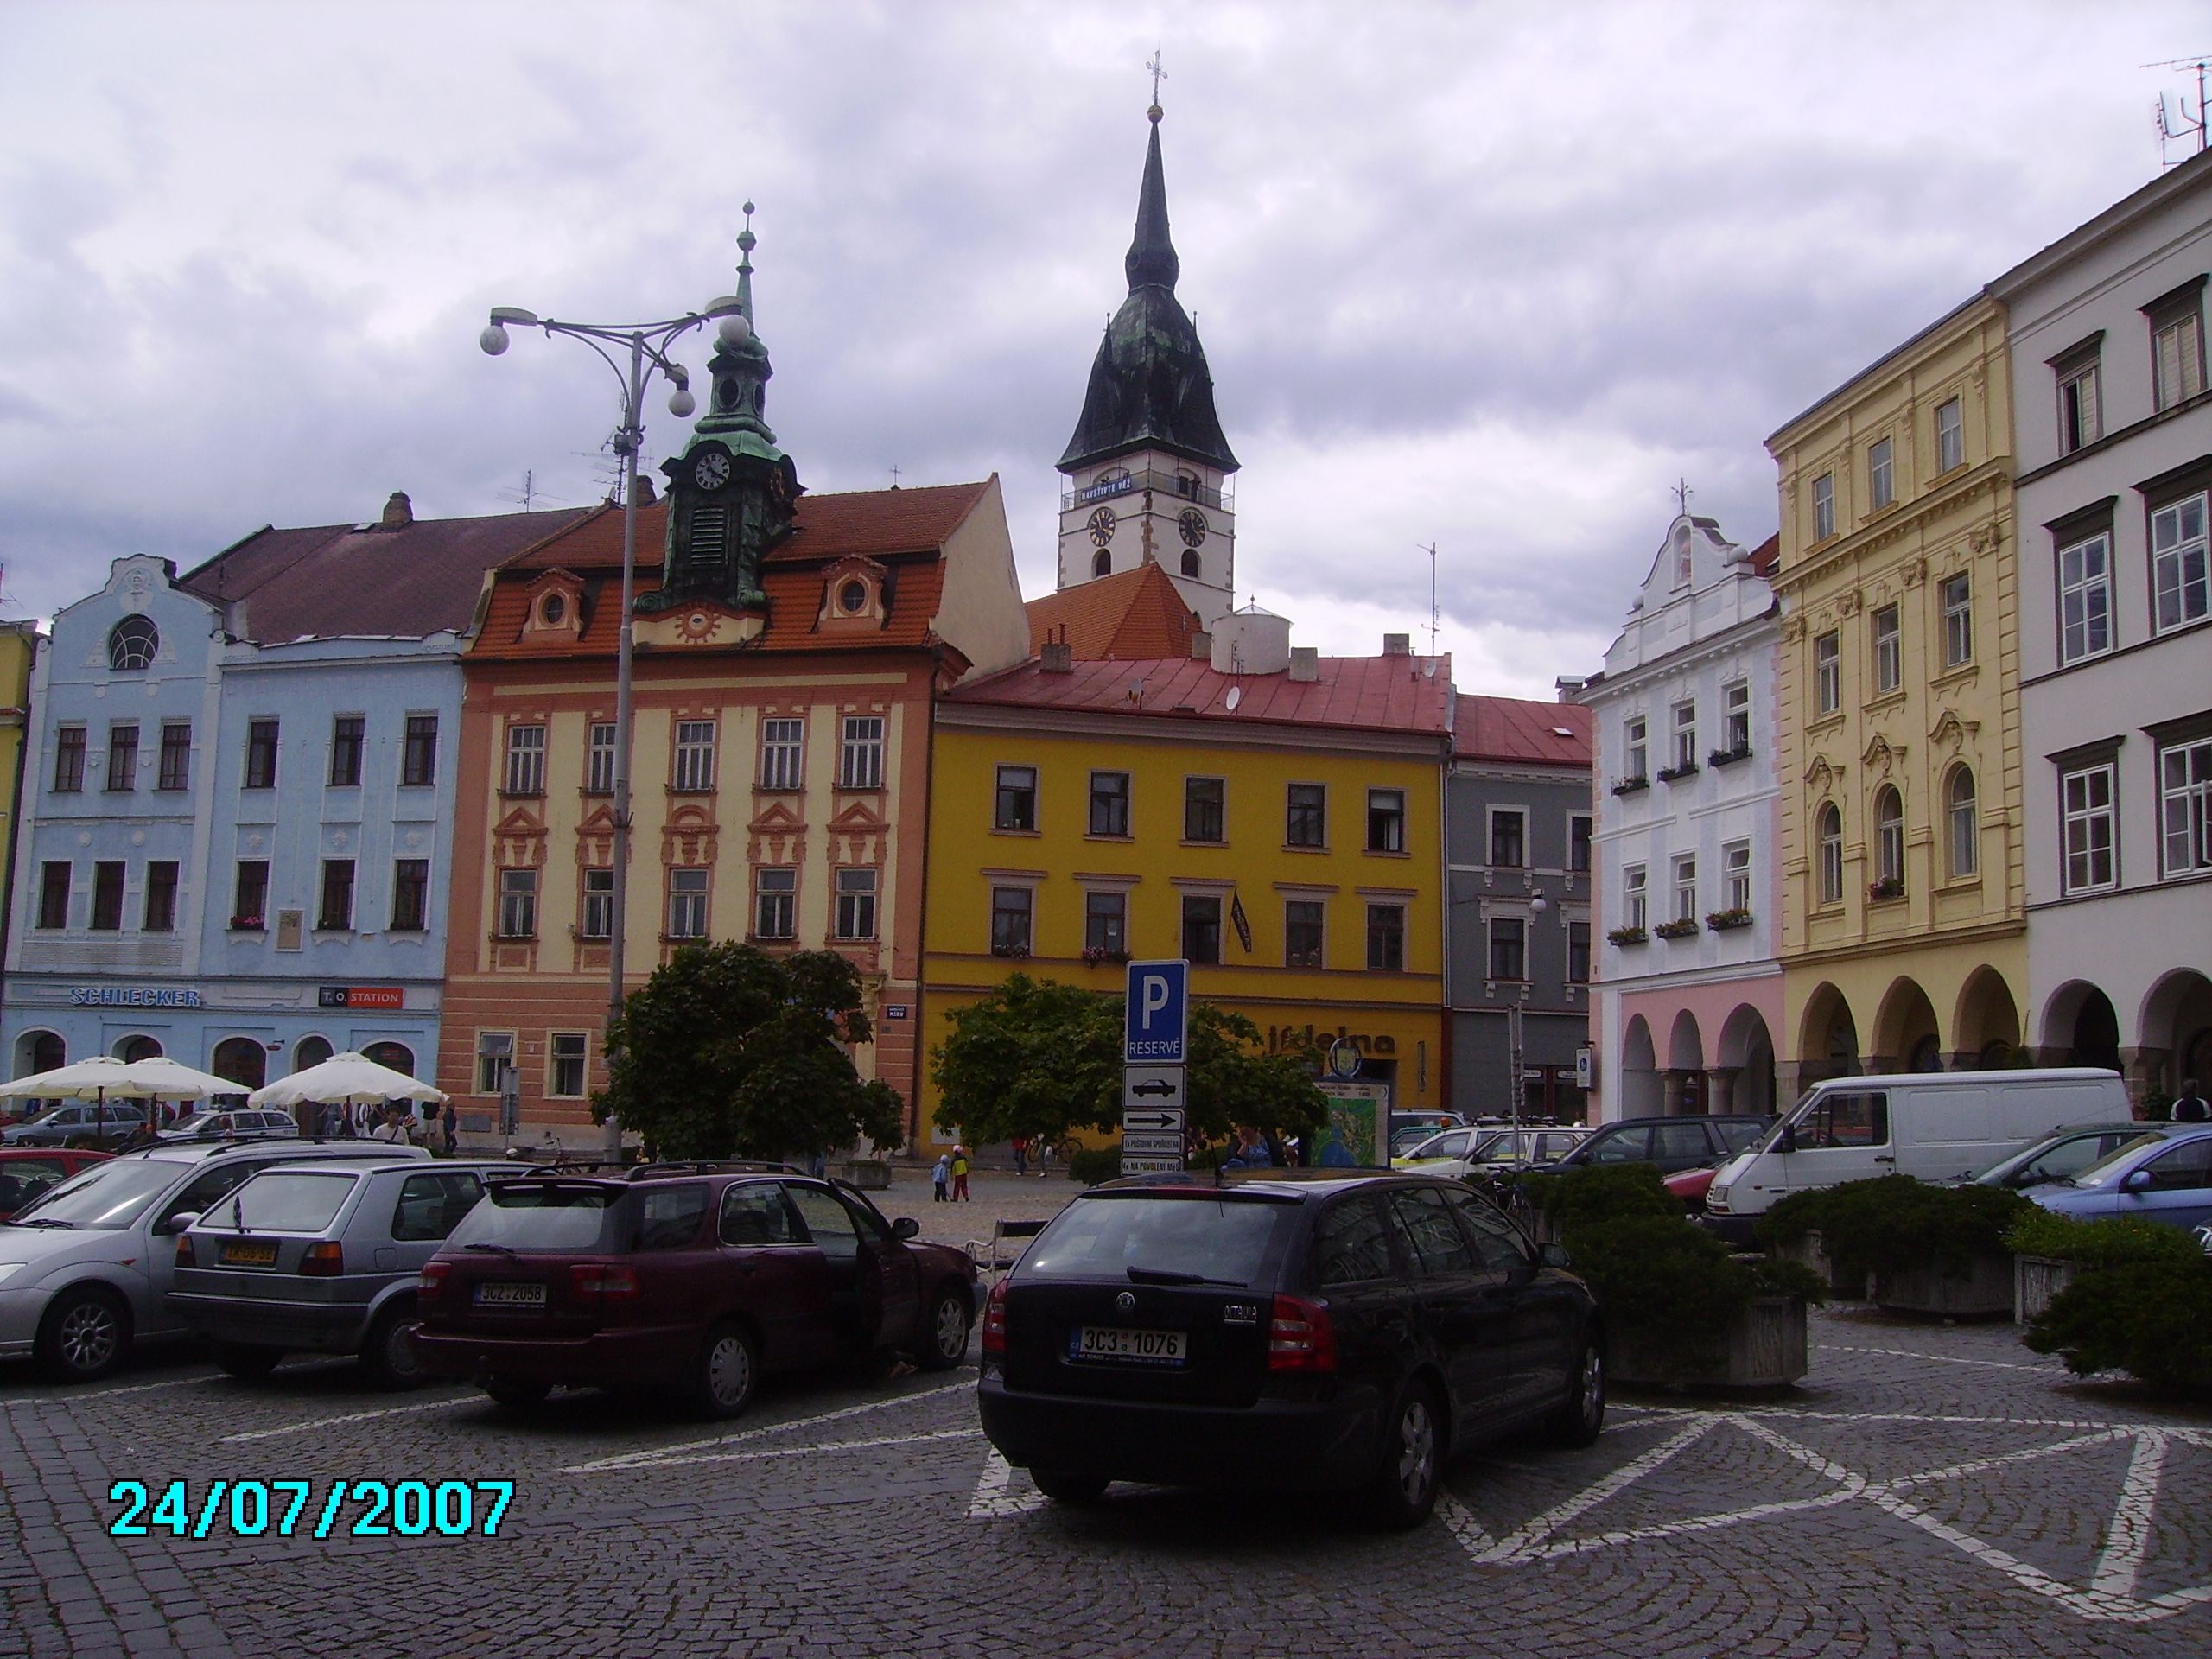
1933, 1491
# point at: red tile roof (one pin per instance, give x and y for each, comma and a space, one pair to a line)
1767, 555
1402, 694
338, 579
1523, 732
1132, 614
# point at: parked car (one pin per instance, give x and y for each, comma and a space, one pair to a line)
1409, 1129
85, 1267
2163, 1175
239, 1123
77, 1121
2056, 1157
323, 1256
26, 1172
1937, 1126
691, 1279
1479, 1149
1672, 1143
1690, 1186
1319, 1329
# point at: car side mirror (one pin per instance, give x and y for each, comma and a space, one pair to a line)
1553, 1255
906, 1227
2136, 1180
1787, 1140
172, 1225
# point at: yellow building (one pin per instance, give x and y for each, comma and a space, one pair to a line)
1278, 825
18, 647
1903, 943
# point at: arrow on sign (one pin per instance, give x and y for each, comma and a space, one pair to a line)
1166, 1118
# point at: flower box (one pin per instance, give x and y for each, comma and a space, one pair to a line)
1017, 951
1630, 785
1721, 920
1628, 936
1095, 954
1668, 774
1980, 1289
1684, 929
1727, 756
1888, 886
2036, 1279
1766, 1348
248, 925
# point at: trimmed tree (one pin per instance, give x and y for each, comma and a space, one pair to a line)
1039, 1059
729, 1052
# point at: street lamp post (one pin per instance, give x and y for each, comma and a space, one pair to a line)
648, 344
1516, 1086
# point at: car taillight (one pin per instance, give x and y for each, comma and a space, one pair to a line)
184, 1256
595, 1281
1300, 1337
434, 1278
325, 1259
995, 1320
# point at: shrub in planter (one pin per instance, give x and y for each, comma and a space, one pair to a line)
1894, 1223
2151, 1319
1091, 1165
2119, 1241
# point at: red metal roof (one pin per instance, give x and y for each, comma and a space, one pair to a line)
1525, 732
1767, 555
1131, 614
1401, 693
338, 579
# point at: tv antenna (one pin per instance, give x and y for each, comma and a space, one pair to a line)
2171, 128
529, 494
1435, 615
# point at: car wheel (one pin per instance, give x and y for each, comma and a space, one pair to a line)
945, 1337
1064, 1488
1404, 1489
388, 1356
246, 1361
727, 1366
84, 1335
1582, 1413
511, 1393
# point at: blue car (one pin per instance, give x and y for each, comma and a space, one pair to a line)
2163, 1175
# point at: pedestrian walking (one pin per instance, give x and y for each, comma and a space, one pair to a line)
960, 1175
1021, 1154
2189, 1105
940, 1178
1044, 1156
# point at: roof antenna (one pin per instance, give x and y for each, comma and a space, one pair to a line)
1435, 615
2170, 129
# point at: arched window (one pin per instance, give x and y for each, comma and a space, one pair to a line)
1889, 836
40, 1051
1102, 562
1831, 840
1189, 561
398, 1056
1964, 827
310, 1051
133, 1049
132, 642
243, 1060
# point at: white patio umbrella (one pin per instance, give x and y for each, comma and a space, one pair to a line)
344, 1079
102, 1079
168, 1079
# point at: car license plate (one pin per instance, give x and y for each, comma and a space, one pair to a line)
510, 1295
255, 1253
1110, 1342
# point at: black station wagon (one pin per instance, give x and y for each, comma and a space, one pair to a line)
1318, 1330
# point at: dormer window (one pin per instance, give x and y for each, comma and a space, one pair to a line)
555, 605
852, 597
131, 644
552, 610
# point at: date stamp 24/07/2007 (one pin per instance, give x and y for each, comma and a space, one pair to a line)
311, 1509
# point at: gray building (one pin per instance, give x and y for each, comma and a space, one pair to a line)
1516, 863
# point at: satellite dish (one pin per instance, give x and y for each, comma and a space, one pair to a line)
1235, 696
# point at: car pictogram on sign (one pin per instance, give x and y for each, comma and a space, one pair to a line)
1155, 1086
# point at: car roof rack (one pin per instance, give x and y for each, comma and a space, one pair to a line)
710, 1167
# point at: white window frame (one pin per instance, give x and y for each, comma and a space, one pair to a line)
1830, 853
1501, 928
1888, 629
1828, 672
1736, 873
1950, 435
1736, 716
1685, 726
571, 1051
495, 1050
2181, 585
595, 915
1824, 506
1889, 835
856, 895
599, 758
2085, 599
2177, 359
1635, 906
2185, 807
1881, 474
775, 902
1963, 825
1957, 595
1490, 847
1636, 749
692, 763
518, 903
783, 752
2088, 859
688, 890
1685, 885
2080, 414
525, 773
860, 758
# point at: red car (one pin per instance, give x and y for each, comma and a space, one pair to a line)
1690, 1186
26, 1172
693, 1278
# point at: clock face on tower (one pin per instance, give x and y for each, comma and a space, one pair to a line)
1101, 526
712, 471
1192, 526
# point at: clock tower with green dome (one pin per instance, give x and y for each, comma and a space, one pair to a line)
1149, 468
732, 492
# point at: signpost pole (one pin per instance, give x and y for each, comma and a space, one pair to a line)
1155, 1036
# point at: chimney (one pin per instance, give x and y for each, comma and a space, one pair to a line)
1202, 645
645, 496
1570, 687
398, 512
1397, 644
1056, 657
1305, 664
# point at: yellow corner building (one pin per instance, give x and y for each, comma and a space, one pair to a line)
1278, 825
1904, 939
18, 649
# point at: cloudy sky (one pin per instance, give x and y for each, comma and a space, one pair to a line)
1490, 276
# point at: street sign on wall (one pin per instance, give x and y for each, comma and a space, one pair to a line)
1158, 1012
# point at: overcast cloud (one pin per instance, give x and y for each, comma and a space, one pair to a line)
1488, 276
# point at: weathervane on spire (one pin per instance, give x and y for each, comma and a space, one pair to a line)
1158, 74
1682, 494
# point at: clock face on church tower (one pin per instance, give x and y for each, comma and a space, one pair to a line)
712, 471
1192, 526
1101, 526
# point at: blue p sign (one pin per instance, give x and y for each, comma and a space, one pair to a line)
1158, 1002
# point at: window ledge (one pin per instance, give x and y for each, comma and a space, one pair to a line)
1008, 829
1305, 847
1187, 842
854, 789
1960, 884
1097, 835
1829, 721
1382, 852
1957, 674
1882, 700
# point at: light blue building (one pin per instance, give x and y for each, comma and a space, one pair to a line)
238, 799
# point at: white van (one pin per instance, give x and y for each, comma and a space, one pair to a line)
1938, 1125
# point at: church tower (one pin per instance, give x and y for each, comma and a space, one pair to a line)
1148, 470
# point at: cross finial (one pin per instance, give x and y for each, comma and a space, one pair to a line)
894, 475
1682, 494
1158, 74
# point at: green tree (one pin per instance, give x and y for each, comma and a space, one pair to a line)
727, 1051
1037, 1058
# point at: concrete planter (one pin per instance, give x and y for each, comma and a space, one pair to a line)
869, 1174
1766, 1350
1809, 1252
1982, 1289
2036, 1279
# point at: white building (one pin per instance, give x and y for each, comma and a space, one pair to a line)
2114, 439
1688, 991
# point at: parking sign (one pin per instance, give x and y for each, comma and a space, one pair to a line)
1157, 1006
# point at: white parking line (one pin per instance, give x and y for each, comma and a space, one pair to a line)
347, 1417
135, 1388
660, 1454
807, 1450
1944, 1359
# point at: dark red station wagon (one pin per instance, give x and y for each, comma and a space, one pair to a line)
692, 1278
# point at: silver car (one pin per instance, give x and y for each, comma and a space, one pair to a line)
323, 1257
238, 1123
84, 1269
77, 1120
